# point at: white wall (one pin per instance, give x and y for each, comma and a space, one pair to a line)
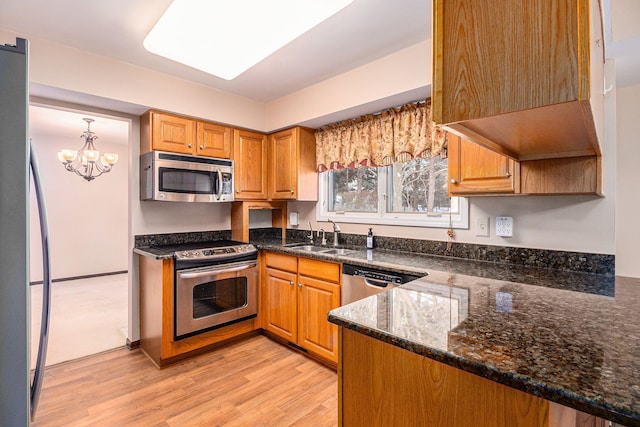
88, 221
627, 189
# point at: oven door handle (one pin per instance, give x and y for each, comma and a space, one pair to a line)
218, 270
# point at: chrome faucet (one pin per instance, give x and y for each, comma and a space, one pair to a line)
310, 236
324, 239
336, 233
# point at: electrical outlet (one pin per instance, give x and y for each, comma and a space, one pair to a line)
504, 226
482, 226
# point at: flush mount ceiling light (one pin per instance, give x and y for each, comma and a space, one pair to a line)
227, 37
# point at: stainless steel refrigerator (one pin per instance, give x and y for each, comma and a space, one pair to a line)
19, 388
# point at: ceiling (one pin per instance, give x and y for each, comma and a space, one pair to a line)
363, 32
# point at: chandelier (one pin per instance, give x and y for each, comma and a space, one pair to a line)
87, 162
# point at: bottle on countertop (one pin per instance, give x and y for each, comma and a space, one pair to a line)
370, 239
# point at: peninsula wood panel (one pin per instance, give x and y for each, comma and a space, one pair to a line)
383, 385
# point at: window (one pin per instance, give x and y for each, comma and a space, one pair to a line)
408, 193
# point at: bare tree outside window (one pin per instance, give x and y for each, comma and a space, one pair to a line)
353, 190
419, 185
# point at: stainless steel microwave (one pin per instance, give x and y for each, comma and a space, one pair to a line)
182, 178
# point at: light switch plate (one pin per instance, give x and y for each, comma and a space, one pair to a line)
293, 218
504, 226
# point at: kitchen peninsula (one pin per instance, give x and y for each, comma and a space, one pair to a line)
450, 348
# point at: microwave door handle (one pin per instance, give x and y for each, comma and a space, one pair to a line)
208, 272
219, 184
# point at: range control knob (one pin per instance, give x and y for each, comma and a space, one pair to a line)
195, 253
186, 254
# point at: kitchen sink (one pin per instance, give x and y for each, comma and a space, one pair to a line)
319, 249
311, 248
339, 251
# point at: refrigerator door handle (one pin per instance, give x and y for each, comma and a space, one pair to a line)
36, 385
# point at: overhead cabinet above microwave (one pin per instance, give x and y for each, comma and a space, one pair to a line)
179, 134
524, 79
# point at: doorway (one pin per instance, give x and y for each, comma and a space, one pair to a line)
88, 236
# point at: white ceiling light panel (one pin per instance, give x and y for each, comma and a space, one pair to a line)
227, 37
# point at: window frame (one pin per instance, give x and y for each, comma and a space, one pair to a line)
458, 220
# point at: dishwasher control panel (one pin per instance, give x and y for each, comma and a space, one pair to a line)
382, 276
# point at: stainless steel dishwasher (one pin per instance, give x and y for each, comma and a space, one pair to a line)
361, 282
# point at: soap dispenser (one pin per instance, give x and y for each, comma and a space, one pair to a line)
370, 239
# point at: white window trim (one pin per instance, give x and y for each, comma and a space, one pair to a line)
458, 220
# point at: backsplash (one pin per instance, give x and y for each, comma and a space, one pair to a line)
146, 240
525, 257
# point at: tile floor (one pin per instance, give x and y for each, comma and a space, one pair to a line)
88, 316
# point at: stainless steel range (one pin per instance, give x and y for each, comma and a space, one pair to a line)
216, 284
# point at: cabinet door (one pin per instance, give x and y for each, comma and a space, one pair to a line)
214, 140
173, 133
315, 299
280, 287
250, 155
474, 169
283, 165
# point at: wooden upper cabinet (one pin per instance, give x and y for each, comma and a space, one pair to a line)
178, 134
250, 156
477, 171
214, 140
524, 79
474, 169
292, 165
166, 132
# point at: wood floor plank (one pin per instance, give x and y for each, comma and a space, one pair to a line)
253, 382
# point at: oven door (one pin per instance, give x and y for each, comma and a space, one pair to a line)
214, 296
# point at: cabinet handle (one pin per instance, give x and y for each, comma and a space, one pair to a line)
189, 145
299, 285
508, 175
292, 191
291, 282
453, 181
202, 147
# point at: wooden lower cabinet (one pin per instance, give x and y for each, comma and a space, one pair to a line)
297, 293
383, 385
157, 317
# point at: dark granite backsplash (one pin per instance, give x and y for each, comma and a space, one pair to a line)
524, 257
147, 240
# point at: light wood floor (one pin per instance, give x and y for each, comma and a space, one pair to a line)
254, 382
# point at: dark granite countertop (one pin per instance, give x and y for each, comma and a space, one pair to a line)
578, 349
154, 252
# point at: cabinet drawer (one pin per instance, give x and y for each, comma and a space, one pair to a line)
327, 271
282, 261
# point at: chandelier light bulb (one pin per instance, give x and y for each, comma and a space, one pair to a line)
67, 156
110, 158
91, 155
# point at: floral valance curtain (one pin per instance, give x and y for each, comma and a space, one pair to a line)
397, 134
